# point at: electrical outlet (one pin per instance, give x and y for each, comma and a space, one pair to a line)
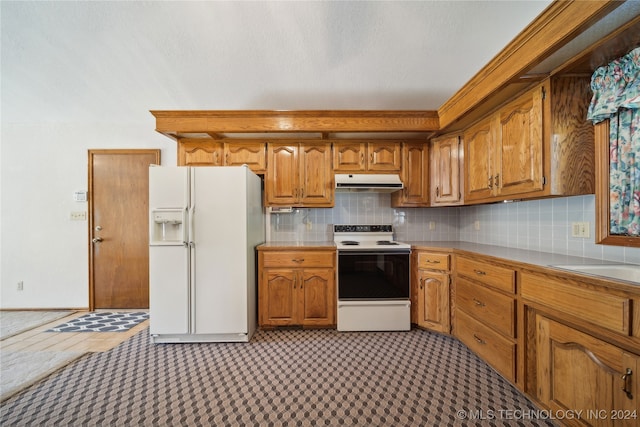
78, 216
580, 229
476, 225
432, 225
20, 285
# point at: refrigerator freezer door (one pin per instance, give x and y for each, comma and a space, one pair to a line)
169, 272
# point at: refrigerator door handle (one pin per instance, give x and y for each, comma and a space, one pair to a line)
190, 239
186, 221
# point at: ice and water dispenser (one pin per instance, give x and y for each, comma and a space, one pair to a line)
167, 227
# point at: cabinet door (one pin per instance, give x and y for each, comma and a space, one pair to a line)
199, 152
518, 152
317, 299
277, 297
445, 171
414, 176
433, 300
349, 156
478, 145
383, 156
251, 154
579, 372
282, 177
317, 185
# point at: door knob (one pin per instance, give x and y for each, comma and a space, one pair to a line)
96, 239
98, 227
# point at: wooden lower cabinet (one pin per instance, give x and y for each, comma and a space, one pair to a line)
578, 372
430, 290
294, 291
485, 313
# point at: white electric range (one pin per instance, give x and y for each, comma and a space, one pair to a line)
373, 279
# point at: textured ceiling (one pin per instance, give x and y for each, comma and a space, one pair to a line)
114, 61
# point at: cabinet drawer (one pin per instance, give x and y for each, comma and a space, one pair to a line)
499, 277
597, 307
495, 349
490, 307
433, 261
298, 259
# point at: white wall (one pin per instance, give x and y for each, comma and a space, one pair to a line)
42, 166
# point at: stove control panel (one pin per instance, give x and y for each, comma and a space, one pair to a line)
362, 228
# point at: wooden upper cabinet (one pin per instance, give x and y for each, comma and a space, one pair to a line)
415, 176
445, 171
519, 144
540, 144
478, 171
199, 152
299, 174
252, 154
362, 156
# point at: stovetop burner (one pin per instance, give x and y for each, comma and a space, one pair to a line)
350, 243
386, 243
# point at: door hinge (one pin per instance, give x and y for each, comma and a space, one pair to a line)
544, 93
544, 180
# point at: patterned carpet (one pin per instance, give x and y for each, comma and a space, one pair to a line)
280, 378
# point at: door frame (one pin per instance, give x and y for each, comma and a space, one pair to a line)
91, 153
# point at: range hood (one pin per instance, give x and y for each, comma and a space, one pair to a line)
380, 183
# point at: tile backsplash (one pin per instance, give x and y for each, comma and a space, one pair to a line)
539, 225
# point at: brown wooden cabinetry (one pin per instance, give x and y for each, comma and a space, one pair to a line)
579, 372
252, 154
445, 171
297, 288
485, 313
430, 291
540, 144
363, 156
299, 174
200, 152
414, 175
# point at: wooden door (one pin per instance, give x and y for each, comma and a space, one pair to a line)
478, 146
317, 184
282, 178
119, 227
383, 156
445, 171
317, 297
579, 372
433, 300
278, 297
349, 156
518, 153
414, 176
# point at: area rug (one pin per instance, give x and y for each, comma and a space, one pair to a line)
20, 369
16, 322
102, 322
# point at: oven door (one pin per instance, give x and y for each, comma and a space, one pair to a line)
373, 275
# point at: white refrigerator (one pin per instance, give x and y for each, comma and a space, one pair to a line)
204, 226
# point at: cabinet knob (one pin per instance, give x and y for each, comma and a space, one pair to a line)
478, 303
479, 272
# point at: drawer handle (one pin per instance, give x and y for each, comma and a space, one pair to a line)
478, 303
432, 262
298, 260
626, 379
480, 341
479, 272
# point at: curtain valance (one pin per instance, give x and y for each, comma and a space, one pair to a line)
615, 86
